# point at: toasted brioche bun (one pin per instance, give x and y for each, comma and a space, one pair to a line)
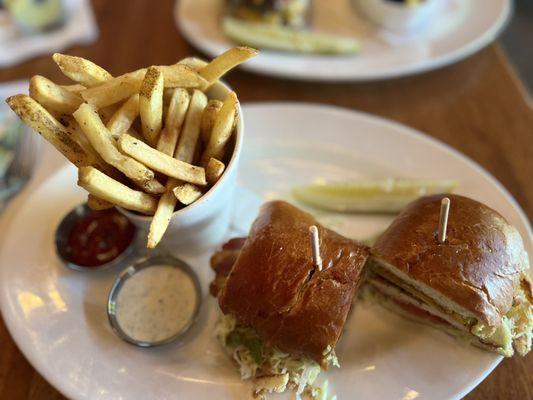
475, 273
275, 288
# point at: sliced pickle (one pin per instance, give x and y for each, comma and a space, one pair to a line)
376, 196
276, 37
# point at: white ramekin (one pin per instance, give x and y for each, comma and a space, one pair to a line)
398, 17
204, 222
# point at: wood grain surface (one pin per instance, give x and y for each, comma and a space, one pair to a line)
477, 106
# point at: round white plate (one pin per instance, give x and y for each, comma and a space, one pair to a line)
460, 29
57, 316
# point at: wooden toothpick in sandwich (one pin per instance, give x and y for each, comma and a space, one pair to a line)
443, 219
315, 246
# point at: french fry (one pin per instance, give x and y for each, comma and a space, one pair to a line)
208, 119
105, 188
114, 90
123, 118
213, 71
214, 171
52, 96
36, 117
76, 88
124, 86
162, 216
160, 162
102, 141
97, 204
222, 129
153, 186
81, 70
177, 109
187, 193
76, 133
191, 128
188, 143
181, 75
193, 62
184, 152
151, 104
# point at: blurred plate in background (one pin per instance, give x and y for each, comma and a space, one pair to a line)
461, 28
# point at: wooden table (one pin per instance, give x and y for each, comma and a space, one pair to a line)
477, 106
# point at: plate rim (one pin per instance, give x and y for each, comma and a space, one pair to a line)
461, 53
264, 106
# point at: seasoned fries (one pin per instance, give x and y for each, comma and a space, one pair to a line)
177, 109
123, 118
181, 75
160, 161
214, 170
40, 120
226, 61
151, 104
97, 204
103, 143
76, 88
222, 129
191, 127
124, 86
79, 136
81, 70
184, 152
187, 193
102, 186
53, 97
194, 63
114, 90
208, 119
121, 131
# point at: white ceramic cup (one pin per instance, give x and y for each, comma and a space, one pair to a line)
204, 222
399, 17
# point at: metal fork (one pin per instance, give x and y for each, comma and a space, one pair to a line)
21, 169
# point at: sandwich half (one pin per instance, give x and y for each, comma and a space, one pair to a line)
282, 315
292, 13
474, 286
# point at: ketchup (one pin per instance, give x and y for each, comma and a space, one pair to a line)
99, 237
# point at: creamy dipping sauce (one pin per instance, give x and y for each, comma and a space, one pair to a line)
156, 303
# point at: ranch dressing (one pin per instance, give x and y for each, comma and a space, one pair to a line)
156, 303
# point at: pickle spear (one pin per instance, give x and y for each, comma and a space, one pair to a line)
375, 196
276, 37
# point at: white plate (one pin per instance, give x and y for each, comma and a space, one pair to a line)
461, 28
57, 316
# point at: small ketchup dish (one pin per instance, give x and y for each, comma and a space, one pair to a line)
88, 240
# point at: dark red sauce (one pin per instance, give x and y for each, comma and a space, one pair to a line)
99, 237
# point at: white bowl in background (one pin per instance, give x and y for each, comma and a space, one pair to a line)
399, 17
204, 222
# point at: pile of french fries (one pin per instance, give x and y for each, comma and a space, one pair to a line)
143, 140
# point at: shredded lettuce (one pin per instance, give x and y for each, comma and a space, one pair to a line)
514, 330
271, 370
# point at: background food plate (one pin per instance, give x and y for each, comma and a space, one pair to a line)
462, 28
57, 316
